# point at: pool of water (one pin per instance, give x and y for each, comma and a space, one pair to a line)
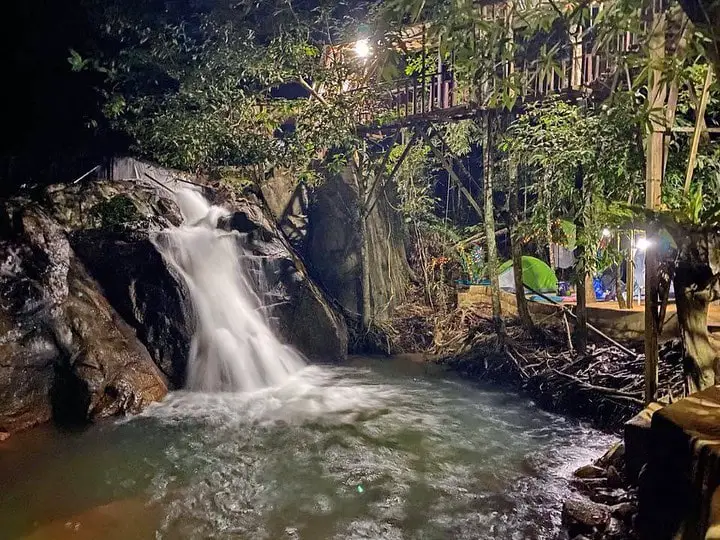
377, 449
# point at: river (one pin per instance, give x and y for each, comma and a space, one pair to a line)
376, 449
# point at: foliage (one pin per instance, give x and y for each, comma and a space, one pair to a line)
119, 210
460, 136
559, 141
216, 86
414, 182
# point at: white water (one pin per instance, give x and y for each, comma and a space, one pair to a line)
233, 348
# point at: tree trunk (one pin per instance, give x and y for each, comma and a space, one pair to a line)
581, 329
520, 299
367, 313
361, 184
489, 221
630, 285
544, 195
618, 287
581, 273
697, 283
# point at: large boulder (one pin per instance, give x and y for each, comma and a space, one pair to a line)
27, 350
105, 370
139, 285
65, 351
333, 246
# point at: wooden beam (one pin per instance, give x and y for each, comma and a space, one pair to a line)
688, 129
699, 122
654, 163
447, 165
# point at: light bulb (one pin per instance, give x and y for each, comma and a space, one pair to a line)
643, 244
362, 48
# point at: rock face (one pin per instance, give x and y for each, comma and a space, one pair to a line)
332, 248
301, 315
65, 352
93, 322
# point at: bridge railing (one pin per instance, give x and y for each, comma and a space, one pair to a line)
584, 68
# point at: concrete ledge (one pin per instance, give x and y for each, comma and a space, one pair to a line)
679, 488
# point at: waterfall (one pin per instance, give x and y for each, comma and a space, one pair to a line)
233, 348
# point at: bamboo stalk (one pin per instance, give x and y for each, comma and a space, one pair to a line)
699, 122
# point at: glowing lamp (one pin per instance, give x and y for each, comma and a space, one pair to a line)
643, 244
362, 48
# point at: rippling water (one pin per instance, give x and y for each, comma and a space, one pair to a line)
376, 450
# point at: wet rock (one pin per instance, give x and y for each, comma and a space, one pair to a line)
141, 287
614, 480
32, 287
581, 516
615, 457
589, 471
610, 496
302, 314
65, 352
105, 370
624, 511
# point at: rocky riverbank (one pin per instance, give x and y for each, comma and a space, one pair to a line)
603, 387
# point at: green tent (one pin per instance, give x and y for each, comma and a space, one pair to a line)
536, 274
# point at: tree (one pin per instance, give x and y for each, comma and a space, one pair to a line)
516, 246
489, 223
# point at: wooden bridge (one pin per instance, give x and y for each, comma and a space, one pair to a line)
583, 69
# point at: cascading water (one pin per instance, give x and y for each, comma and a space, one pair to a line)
233, 348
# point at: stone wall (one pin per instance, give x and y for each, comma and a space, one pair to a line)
680, 485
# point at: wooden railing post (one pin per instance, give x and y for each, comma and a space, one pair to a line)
653, 182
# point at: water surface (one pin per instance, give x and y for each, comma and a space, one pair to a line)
375, 450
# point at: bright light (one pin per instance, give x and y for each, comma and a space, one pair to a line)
362, 48
606, 232
643, 244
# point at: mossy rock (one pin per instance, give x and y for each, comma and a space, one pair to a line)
117, 211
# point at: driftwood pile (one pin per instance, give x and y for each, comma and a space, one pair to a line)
604, 385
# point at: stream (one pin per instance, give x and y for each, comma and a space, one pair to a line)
374, 449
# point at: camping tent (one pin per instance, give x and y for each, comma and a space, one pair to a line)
536, 274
